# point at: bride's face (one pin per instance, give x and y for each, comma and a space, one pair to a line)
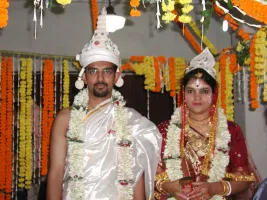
198, 96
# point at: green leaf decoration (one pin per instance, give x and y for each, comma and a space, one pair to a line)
229, 4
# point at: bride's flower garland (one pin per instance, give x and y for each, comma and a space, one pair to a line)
76, 146
172, 151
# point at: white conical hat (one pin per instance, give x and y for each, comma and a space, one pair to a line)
99, 48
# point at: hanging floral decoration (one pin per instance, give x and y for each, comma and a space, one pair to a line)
4, 4
158, 74
223, 63
204, 39
260, 59
47, 112
227, 67
242, 52
3, 127
168, 8
22, 123
66, 84
180, 67
230, 67
9, 128
253, 8
188, 35
253, 92
187, 7
28, 125
94, 10
134, 11
25, 124
6, 139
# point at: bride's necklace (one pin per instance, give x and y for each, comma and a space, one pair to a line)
198, 122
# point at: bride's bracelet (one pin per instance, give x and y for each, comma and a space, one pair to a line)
159, 187
160, 179
227, 188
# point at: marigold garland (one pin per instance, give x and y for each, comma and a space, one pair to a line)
253, 93
252, 8
244, 35
233, 63
187, 7
168, 15
2, 152
66, 84
94, 10
127, 66
28, 131
187, 34
222, 61
220, 12
157, 69
205, 40
137, 58
166, 77
180, 67
6, 128
260, 59
9, 128
2, 122
229, 101
134, 11
47, 113
149, 73
4, 4
145, 66
22, 124
233, 24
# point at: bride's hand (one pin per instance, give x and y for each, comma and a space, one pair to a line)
202, 191
175, 189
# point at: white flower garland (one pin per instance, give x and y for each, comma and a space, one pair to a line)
219, 162
76, 146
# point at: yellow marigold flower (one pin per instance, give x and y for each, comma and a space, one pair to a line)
169, 7
187, 8
247, 61
185, 19
263, 34
168, 17
134, 3
260, 81
239, 47
135, 13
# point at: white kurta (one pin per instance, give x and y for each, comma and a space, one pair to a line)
100, 162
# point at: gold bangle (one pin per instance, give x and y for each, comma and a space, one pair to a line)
226, 189
161, 176
159, 187
157, 195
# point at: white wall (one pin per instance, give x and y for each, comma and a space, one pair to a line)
66, 34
